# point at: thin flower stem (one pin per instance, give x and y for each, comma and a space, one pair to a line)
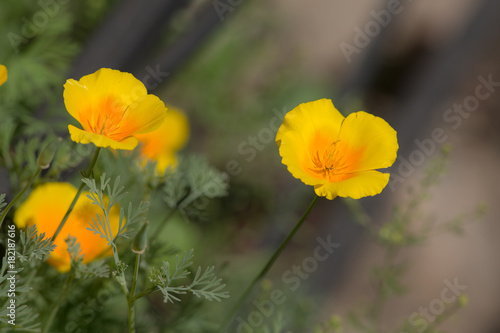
75, 199
270, 262
136, 273
131, 319
58, 303
117, 263
123, 283
161, 225
131, 299
166, 219
143, 293
19, 195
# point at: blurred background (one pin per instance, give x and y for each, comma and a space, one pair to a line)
430, 68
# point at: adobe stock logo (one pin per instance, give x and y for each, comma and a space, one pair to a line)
425, 315
39, 20
453, 117
225, 7
292, 280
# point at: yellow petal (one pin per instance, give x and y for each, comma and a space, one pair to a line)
296, 156
76, 98
143, 116
64, 192
372, 138
307, 118
80, 136
110, 82
305, 130
3, 74
168, 138
176, 128
83, 98
165, 161
360, 184
59, 260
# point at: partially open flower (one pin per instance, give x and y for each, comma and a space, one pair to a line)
337, 155
162, 144
3, 74
45, 208
112, 107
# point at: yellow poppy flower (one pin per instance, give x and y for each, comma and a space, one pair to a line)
3, 74
46, 206
112, 107
162, 144
337, 155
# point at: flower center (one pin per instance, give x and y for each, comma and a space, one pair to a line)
105, 118
331, 163
108, 120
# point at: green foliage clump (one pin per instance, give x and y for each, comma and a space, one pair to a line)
34, 245
190, 188
205, 284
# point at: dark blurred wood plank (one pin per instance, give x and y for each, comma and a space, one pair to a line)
126, 35
178, 52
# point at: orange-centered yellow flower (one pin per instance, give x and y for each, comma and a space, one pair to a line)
162, 144
46, 206
112, 107
3, 74
337, 155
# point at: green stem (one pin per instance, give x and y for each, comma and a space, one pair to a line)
172, 212
161, 225
123, 283
77, 195
9, 206
131, 299
270, 262
136, 273
117, 262
131, 319
143, 293
58, 303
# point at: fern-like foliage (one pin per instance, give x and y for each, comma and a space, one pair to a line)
34, 245
25, 319
31, 246
100, 224
95, 269
204, 285
176, 188
195, 181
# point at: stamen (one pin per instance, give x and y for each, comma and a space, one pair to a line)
329, 163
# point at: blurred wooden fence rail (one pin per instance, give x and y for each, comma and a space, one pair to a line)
127, 38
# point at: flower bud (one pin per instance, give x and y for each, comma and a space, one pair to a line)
47, 154
140, 241
463, 300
